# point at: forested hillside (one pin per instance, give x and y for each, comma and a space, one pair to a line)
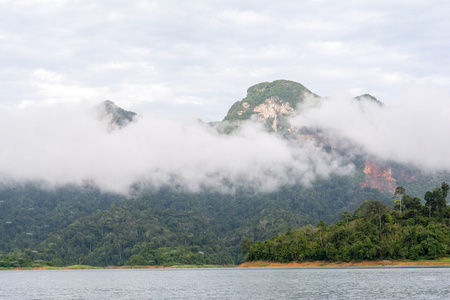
30, 212
72, 225
406, 230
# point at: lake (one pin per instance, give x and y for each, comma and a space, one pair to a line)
228, 283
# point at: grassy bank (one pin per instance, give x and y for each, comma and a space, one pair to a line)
74, 267
85, 267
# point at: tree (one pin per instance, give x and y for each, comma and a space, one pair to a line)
321, 227
444, 189
246, 243
429, 201
372, 209
347, 216
436, 200
412, 206
399, 191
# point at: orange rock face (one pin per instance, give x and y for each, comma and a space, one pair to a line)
378, 177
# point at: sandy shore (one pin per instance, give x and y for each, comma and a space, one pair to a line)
366, 263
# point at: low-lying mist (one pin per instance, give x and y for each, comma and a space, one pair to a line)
415, 130
63, 144
68, 144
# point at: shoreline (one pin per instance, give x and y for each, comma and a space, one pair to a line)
330, 264
263, 264
86, 267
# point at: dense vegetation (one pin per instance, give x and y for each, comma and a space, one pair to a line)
30, 212
82, 225
407, 230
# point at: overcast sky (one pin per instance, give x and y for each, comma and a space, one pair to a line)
196, 58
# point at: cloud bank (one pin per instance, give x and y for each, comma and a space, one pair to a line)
67, 144
416, 130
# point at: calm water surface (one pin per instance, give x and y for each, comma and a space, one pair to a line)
270, 283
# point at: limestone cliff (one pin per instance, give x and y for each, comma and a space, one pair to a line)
271, 109
378, 177
271, 103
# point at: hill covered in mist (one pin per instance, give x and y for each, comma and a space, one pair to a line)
104, 187
359, 131
114, 116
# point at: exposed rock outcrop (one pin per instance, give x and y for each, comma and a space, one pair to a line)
379, 177
271, 109
271, 103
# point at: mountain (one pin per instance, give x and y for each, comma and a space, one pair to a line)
114, 116
370, 98
271, 103
80, 224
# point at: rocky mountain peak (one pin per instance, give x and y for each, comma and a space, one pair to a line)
271, 102
368, 97
114, 116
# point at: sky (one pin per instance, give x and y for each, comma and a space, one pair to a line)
196, 58
175, 61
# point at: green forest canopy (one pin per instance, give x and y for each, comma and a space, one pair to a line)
72, 225
408, 230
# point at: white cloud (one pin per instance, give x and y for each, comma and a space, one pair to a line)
415, 130
243, 18
53, 93
46, 75
62, 144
